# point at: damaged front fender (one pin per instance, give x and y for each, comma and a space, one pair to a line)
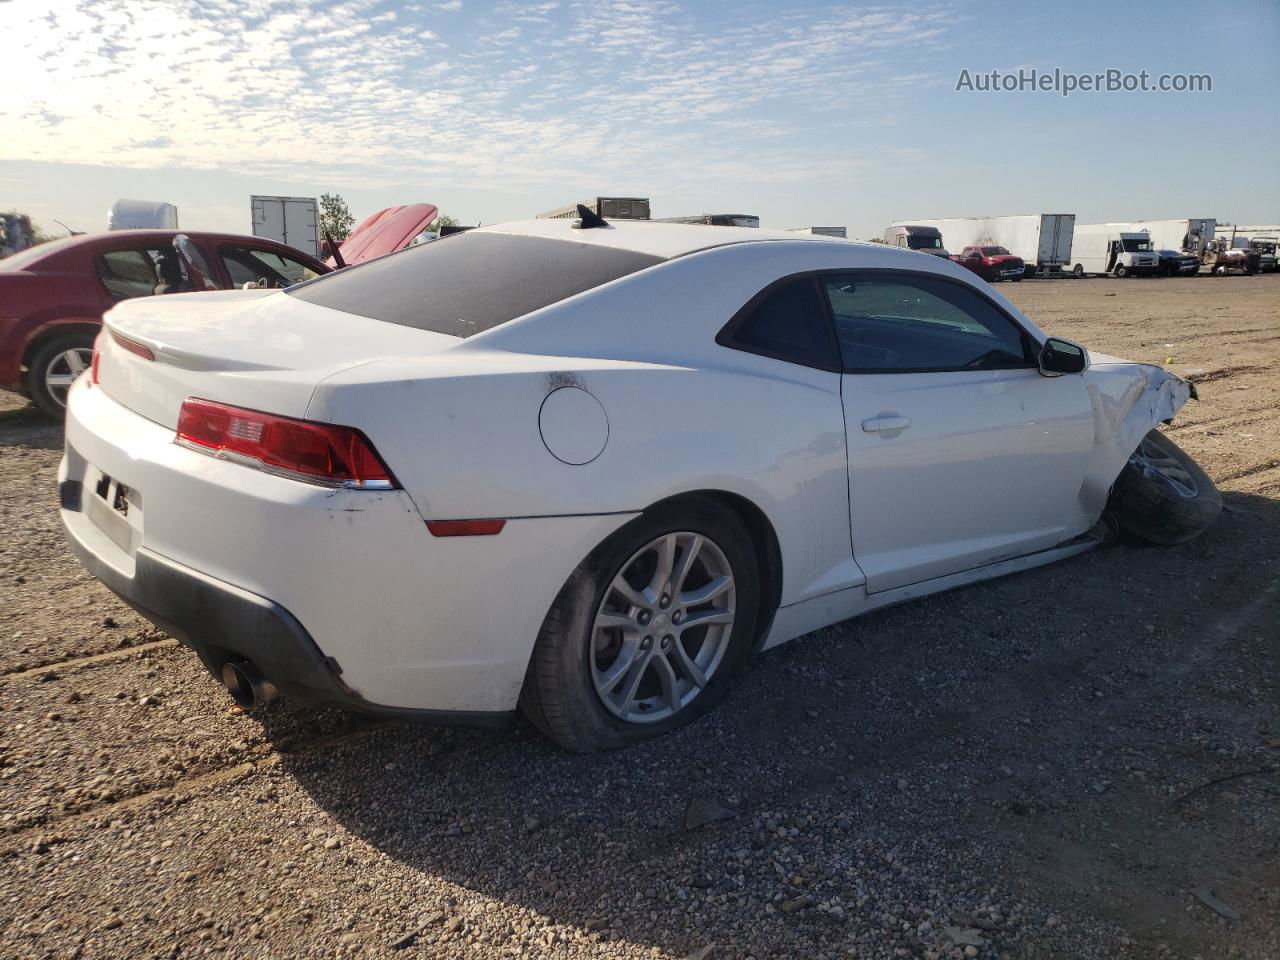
1128, 401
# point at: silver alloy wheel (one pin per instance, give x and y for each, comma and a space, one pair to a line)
1158, 465
63, 369
663, 627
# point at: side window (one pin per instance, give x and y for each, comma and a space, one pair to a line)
788, 323
891, 323
128, 273
247, 265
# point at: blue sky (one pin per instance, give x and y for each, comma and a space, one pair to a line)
802, 113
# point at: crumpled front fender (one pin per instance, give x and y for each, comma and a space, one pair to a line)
1128, 400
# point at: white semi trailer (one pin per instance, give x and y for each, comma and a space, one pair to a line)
1102, 248
1042, 240
841, 232
290, 220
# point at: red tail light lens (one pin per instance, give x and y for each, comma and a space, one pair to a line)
322, 453
465, 528
93, 367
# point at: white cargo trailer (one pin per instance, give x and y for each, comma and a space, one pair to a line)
1191, 235
1101, 248
841, 232
290, 220
142, 215
1042, 240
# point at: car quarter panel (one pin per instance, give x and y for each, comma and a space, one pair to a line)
413, 620
684, 413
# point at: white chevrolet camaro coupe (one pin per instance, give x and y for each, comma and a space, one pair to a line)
590, 469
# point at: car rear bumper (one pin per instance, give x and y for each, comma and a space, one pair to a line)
223, 623
341, 596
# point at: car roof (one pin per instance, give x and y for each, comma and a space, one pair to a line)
57, 253
652, 237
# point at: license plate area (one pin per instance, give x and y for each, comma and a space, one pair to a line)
115, 509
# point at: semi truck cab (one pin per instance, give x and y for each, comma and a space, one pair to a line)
913, 237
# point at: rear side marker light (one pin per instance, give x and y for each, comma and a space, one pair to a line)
320, 453
133, 346
465, 528
93, 367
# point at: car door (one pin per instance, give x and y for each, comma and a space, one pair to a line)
960, 452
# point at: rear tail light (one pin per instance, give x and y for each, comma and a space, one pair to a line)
93, 367
321, 453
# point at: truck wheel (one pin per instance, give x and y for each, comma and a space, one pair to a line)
1078, 271
54, 367
1121, 270
1162, 495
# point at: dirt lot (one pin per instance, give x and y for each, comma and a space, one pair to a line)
1079, 761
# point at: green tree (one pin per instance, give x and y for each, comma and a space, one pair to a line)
335, 218
443, 221
17, 232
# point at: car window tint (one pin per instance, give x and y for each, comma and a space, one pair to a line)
891, 323
247, 265
128, 273
470, 282
788, 323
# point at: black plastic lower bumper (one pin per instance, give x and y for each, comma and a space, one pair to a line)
222, 622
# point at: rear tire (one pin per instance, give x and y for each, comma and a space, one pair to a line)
567, 693
1078, 271
1162, 495
52, 369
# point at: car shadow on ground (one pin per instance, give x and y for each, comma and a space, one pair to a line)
25, 426
877, 737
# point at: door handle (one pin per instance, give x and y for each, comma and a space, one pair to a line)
885, 424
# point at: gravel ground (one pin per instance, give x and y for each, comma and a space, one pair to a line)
1080, 761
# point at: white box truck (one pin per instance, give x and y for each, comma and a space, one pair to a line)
1112, 248
1042, 240
291, 220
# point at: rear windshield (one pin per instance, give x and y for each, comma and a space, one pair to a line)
470, 282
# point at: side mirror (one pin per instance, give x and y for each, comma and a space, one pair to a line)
1059, 356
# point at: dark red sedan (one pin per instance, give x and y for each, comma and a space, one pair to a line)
52, 296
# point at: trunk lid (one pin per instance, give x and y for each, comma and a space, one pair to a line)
385, 232
260, 349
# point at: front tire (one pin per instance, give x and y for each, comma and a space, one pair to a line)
1162, 495
1121, 270
1078, 271
648, 632
54, 367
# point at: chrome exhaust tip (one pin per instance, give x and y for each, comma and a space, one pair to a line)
247, 686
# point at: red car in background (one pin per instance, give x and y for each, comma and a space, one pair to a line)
53, 296
991, 263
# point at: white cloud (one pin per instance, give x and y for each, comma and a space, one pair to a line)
533, 93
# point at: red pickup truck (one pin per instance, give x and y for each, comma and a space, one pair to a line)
991, 263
